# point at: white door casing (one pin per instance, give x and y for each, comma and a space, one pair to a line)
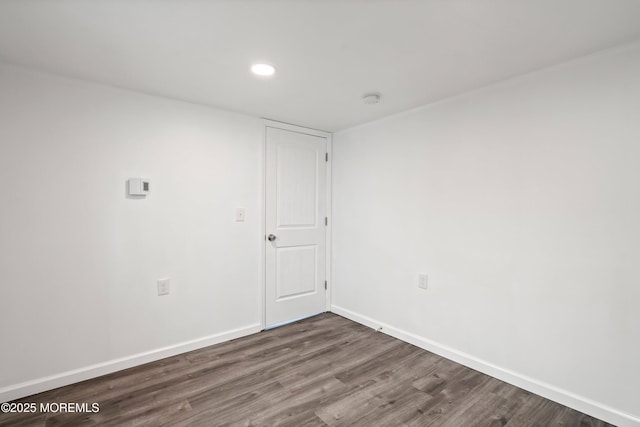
295, 215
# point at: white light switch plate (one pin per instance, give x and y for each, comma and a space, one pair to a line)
239, 214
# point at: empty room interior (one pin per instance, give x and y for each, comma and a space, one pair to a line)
320, 212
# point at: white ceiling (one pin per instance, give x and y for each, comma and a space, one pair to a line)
328, 52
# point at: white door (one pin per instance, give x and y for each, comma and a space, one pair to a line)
295, 198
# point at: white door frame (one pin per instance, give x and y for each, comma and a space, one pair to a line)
263, 225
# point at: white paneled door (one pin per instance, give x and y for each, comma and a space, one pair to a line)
295, 199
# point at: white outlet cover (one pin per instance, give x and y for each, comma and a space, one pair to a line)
163, 287
423, 281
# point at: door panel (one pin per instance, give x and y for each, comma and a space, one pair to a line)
296, 270
295, 211
297, 186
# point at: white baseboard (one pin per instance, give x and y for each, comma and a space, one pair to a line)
65, 378
572, 400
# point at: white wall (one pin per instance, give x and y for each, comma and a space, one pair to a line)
521, 201
80, 261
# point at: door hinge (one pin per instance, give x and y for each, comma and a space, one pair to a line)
326, 221
325, 284
326, 157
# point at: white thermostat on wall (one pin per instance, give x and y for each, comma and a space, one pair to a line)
138, 187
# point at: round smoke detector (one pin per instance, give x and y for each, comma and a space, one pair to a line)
372, 98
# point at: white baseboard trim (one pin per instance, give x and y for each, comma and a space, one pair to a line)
39, 385
579, 403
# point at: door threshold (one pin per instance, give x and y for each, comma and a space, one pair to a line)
286, 322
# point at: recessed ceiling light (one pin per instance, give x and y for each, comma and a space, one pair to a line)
263, 69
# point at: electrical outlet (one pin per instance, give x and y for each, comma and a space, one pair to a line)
423, 281
239, 214
163, 287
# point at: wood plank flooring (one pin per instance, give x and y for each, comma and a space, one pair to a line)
322, 371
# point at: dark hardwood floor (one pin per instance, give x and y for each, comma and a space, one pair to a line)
325, 370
